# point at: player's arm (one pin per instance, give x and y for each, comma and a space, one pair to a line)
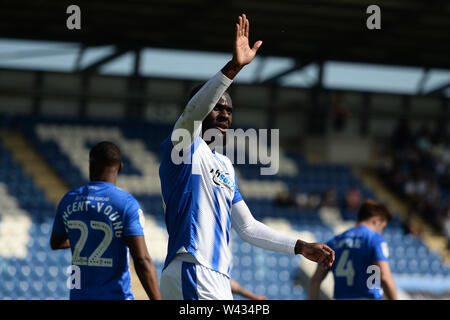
260, 235
316, 281
144, 266
238, 289
59, 238
59, 242
201, 104
381, 256
386, 279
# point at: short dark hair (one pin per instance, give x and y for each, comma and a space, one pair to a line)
104, 154
371, 208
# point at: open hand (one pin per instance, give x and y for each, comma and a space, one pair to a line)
317, 252
242, 53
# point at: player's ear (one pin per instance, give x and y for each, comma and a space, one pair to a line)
120, 167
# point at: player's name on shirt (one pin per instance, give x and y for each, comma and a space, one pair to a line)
347, 243
101, 207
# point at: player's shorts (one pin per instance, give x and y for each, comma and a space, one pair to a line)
185, 279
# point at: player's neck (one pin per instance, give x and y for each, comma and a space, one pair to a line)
104, 180
107, 174
106, 177
368, 225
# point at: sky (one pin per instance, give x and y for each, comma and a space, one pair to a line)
158, 62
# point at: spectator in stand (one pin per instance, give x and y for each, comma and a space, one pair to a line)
340, 112
329, 198
444, 178
446, 226
314, 201
329, 207
284, 199
411, 226
402, 135
423, 141
353, 198
440, 133
420, 170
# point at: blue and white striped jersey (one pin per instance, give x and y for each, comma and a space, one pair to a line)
198, 198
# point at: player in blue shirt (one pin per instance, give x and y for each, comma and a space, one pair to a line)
361, 270
102, 224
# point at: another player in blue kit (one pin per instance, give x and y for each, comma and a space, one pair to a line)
361, 270
102, 225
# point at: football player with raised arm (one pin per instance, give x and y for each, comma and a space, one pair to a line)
201, 197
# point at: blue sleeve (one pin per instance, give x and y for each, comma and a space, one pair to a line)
133, 218
58, 224
237, 195
380, 249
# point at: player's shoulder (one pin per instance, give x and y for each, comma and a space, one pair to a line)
71, 194
122, 194
372, 237
335, 239
351, 232
127, 198
354, 232
377, 237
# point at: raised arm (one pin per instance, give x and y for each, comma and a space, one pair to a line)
201, 104
260, 235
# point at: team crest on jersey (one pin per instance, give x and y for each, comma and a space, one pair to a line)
385, 249
222, 179
141, 218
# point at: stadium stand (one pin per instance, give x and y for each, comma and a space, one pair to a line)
33, 272
304, 197
419, 170
29, 270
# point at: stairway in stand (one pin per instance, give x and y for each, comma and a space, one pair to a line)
34, 164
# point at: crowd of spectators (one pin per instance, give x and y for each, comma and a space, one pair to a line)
313, 201
418, 169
